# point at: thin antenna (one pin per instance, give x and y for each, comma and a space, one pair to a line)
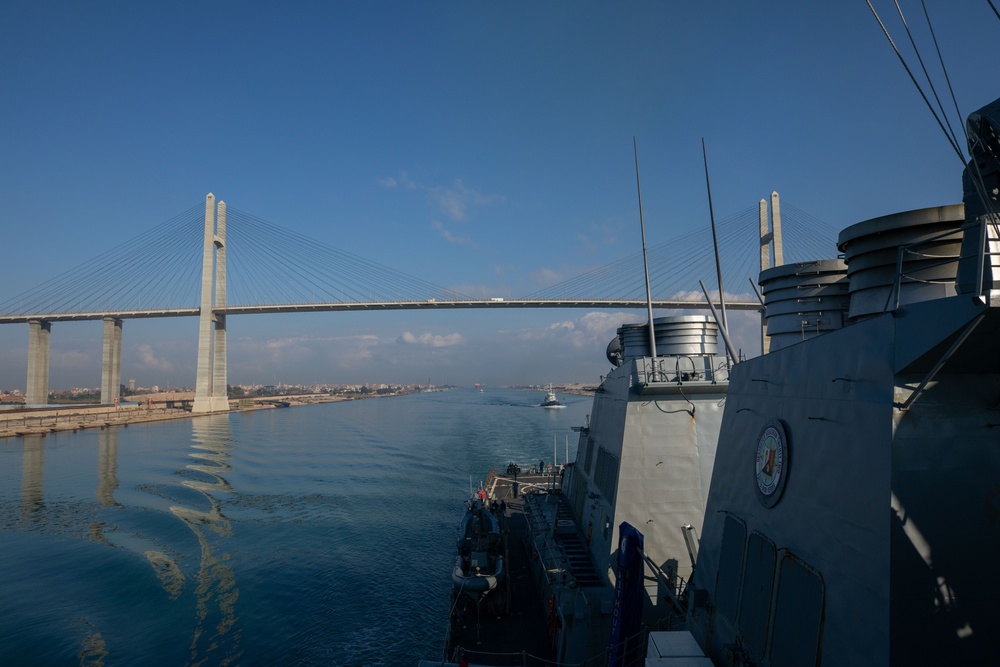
645, 262
715, 243
722, 327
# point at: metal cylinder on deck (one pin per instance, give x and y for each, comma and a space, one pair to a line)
686, 336
634, 341
678, 336
926, 243
804, 300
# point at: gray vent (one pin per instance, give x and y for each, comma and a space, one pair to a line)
930, 240
804, 300
678, 336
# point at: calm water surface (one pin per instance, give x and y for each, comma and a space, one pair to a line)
314, 535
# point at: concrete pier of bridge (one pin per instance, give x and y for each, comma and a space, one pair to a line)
39, 345
37, 390
111, 361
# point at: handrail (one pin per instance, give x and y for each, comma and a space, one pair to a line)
675, 587
895, 293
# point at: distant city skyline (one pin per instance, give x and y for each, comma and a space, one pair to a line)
484, 147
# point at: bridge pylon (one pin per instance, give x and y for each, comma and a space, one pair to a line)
38, 362
111, 361
210, 387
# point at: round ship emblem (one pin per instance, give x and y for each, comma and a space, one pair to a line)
771, 463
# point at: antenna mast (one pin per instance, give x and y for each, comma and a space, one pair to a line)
715, 244
645, 262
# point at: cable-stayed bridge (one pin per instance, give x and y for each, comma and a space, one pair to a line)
213, 262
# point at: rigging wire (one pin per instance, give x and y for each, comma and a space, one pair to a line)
269, 265
920, 90
950, 131
944, 70
971, 164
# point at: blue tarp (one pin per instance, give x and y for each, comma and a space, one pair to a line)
629, 591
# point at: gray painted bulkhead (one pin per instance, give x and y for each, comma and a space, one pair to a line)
892, 511
662, 438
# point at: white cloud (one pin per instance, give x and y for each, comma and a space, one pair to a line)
546, 277
149, 361
589, 330
452, 238
599, 236
455, 201
393, 182
72, 359
430, 340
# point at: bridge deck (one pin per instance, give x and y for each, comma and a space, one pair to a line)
430, 304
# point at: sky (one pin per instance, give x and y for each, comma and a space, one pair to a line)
484, 147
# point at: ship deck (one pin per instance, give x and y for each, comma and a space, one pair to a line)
510, 625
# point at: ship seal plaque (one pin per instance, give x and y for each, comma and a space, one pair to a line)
771, 463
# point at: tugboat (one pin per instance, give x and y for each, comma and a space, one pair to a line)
550, 400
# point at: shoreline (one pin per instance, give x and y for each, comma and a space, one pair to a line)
18, 422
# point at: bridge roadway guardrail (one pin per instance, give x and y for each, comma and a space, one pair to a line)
22, 318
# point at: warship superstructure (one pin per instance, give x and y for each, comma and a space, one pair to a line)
845, 484
646, 455
853, 512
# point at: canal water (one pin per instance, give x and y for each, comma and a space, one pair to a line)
315, 535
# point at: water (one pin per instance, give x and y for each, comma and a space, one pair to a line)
314, 535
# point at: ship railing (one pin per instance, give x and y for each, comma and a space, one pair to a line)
545, 548
672, 370
915, 251
987, 255
672, 584
521, 659
548, 482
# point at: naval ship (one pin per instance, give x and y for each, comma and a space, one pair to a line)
834, 501
645, 458
853, 513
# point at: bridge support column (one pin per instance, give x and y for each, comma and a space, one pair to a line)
111, 361
220, 381
39, 332
208, 397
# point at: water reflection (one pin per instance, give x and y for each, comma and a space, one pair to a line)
32, 475
107, 466
217, 591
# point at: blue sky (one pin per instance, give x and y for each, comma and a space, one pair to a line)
484, 147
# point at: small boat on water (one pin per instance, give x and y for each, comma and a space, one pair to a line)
479, 564
550, 400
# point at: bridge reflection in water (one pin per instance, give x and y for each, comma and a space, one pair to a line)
217, 591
